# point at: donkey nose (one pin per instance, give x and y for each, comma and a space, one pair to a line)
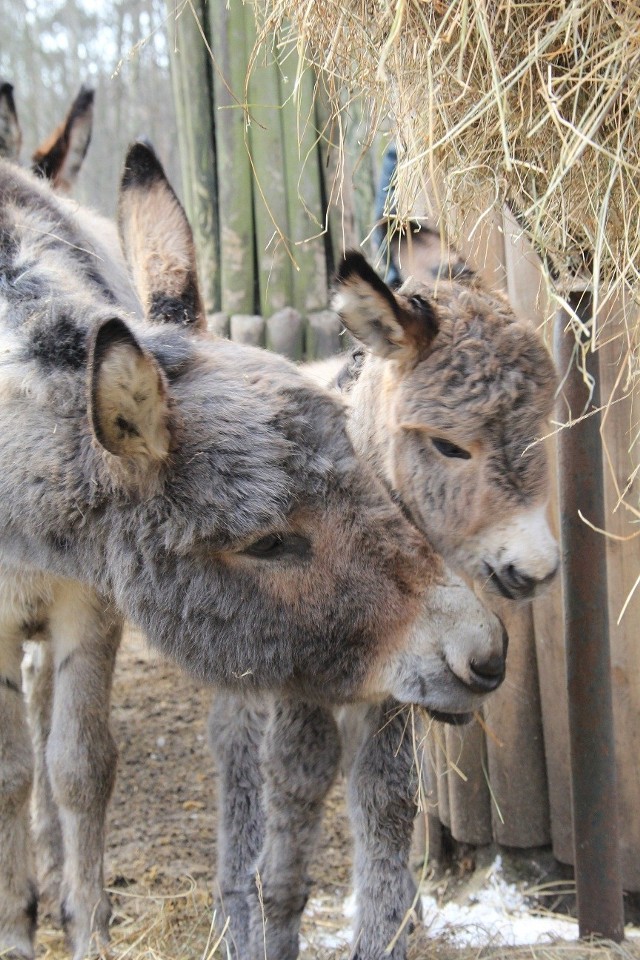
487, 675
519, 585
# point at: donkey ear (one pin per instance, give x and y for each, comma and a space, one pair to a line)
128, 408
157, 242
389, 325
10, 132
60, 157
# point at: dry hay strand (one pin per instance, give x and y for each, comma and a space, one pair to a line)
584, 950
534, 104
177, 925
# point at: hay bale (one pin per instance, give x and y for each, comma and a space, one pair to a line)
537, 102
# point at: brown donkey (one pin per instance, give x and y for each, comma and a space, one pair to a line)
447, 395
205, 490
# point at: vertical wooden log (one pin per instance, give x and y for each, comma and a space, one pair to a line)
324, 335
623, 565
247, 328
193, 95
337, 168
549, 637
304, 194
218, 324
235, 191
469, 797
515, 745
591, 738
269, 196
285, 333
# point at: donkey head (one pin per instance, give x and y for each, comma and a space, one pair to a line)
455, 396
307, 555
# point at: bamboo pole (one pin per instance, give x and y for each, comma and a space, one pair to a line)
304, 194
265, 140
339, 200
191, 78
235, 191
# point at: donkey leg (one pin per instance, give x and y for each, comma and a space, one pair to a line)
37, 674
81, 756
382, 801
236, 728
301, 753
18, 900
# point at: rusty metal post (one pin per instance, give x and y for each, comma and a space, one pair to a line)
584, 579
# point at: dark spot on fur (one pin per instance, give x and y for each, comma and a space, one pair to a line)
30, 628
141, 167
64, 663
8, 246
60, 543
126, 428
9, 684
355, 265
66, 917
351, 370
183, 310
61, 344
31, 910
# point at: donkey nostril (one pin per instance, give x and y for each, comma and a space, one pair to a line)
514, 576
488, 674
519, 585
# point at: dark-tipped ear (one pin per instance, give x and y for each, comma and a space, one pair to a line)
128, 408
388, 324
157, 242
10, 132
60, 157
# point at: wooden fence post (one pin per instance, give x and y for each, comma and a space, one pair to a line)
584, 574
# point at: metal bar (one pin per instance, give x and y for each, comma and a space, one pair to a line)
584, 579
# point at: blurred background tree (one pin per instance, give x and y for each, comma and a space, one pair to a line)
48, 48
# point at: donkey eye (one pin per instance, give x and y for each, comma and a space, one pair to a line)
448, 449
279, 545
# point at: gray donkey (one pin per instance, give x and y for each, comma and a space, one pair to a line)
205, 490
447, 395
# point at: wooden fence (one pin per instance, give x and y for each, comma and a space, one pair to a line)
263, 180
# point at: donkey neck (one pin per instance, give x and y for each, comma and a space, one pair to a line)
372, 394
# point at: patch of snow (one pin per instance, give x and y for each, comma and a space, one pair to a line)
497, 913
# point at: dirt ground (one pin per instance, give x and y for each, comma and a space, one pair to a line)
161, 839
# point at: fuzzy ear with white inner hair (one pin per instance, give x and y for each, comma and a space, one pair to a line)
389, 325
128, 406
158, 242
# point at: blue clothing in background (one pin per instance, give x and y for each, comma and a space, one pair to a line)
380, 233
